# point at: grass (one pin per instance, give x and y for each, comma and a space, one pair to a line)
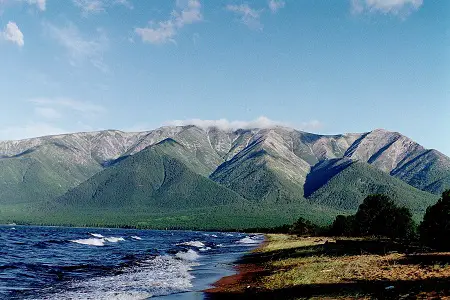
290, 267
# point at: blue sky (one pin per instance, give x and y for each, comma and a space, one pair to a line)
323, 66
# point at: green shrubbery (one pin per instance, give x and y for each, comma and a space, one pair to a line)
435, 228
378, 215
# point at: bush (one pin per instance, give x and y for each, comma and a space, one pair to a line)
343, 226
435, 227
378, 215
304, 227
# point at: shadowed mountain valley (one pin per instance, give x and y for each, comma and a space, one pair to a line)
192, 177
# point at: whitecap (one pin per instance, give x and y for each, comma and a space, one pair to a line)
114, 239
213, 235
248, 240
190, 255
97, 235
135, 237
91, 242
197, 244
160, 276
204, 249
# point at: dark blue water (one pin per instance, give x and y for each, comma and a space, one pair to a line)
101, 263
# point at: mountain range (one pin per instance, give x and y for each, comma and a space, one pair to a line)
192, 177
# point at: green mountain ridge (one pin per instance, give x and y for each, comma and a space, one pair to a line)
184, 176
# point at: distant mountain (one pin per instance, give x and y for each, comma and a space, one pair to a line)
342, 184
281, 170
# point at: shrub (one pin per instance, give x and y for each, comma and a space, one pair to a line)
378, 215
304, 227
435, 227
343, 226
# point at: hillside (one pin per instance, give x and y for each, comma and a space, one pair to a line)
158, 187
346, 189
278, 173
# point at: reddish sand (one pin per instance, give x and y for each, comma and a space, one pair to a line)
245, 278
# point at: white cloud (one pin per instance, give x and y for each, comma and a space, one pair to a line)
247, 15
29, 130
97, 6
79, 48
187, 12
261, 123
13, 34
47, 112
163, 33
85, 108
275, 5
39, 3
90, 6
396, 7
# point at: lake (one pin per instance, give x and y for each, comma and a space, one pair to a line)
101, 263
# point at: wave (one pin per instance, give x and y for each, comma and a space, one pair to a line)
98, 241
135, 237
204, 249
162, 275
97, 235
91, 242
189, 255
114, 239
249, 240
197, 244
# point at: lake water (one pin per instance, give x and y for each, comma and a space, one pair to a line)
100, 263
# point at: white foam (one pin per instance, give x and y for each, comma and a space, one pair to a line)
197, 244
91, 242
136, 237
114, 239
213, 235
249, 240
204, 249
97, 235
160, 276
190, 255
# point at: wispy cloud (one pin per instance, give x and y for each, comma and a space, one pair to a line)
187, 12
12, 34
97, 6
47, 112
261, 123
395, 7
247, 15
79, 48
86, 109
275, 5
40, 4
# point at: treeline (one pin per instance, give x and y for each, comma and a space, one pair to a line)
379, 216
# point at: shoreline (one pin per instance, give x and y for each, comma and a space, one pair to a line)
244, 279
291, 267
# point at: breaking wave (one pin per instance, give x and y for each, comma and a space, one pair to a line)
189, 255
114, 239
250, 240
162, 275
92, 242
197, 244
97, 235
98, 241
135, 237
